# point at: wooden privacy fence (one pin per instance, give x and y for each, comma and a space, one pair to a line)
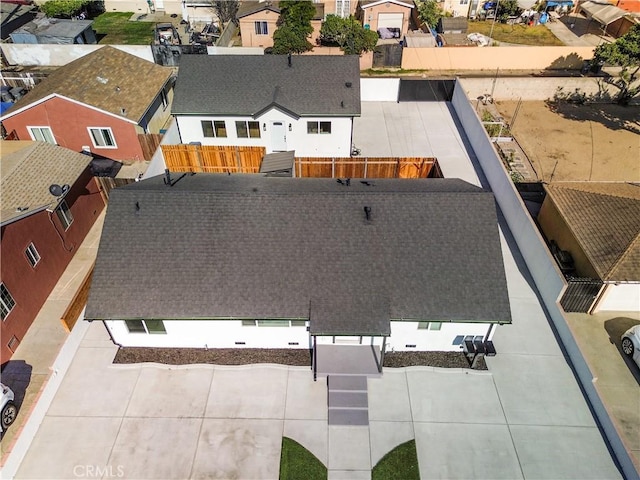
368, 167
149, 143
211, 159
230, 159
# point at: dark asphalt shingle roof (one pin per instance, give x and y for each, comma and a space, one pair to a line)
217, 246
249, 84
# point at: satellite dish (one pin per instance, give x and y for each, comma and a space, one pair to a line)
56, 190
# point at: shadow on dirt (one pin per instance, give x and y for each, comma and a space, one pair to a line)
613, 117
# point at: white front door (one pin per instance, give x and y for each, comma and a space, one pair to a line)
278, 137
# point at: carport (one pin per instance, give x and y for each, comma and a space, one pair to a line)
603, 13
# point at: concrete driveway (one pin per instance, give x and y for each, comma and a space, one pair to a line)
524, 418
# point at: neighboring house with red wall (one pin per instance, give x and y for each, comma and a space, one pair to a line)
40, 232
104, 102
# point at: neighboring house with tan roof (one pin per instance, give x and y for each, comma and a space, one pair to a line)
598, 223
40, 232
102, 102
258, 21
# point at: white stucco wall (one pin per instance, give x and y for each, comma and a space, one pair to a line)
226, 334
211, 334
624, 297
404, 334
337, 143
379, 89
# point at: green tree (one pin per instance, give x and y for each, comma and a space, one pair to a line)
226, 10
348, 34
294, 27
625, 53
430, 12
506, 9
63, 8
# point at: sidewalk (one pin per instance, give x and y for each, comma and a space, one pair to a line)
28, 372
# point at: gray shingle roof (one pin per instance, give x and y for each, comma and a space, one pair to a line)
217, 246
249, 84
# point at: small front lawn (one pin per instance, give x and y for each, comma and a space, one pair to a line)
401, 463
115, 28
296, 463
519, 34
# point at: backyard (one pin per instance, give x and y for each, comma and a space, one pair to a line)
571, 142
518, 34
115, 28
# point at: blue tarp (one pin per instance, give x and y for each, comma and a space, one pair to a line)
557, 3
489, 5
4, 106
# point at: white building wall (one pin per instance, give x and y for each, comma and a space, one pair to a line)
624, 297
406, 334
335, 144
211, 334
231, 334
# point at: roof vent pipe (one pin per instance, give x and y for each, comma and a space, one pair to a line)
367, 213
289, 59
167, 177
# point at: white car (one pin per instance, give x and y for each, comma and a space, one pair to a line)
8, 409
631, 343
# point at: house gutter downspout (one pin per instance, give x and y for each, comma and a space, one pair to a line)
104, 322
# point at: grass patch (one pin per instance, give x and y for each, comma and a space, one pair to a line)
520, 34
114, 28
296, 462
401, 463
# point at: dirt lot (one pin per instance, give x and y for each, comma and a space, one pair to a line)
578, 142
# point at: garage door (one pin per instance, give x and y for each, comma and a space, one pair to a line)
390, 20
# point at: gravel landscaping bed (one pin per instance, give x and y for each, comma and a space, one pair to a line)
297, 357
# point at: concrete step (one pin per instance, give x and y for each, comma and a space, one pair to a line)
347, 383
351, 399
348, 416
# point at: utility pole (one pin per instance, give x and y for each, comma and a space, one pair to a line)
495, 15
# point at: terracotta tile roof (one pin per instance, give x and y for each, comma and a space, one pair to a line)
108, 79
27, 173
604, 217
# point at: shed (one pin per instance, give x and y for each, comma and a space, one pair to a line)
46, 30
452, 25
279, 164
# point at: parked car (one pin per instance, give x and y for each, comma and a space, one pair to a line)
7, 407
631, 343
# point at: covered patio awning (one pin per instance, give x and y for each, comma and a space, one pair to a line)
366, 315
603, 13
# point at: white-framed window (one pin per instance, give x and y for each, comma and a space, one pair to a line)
273, 323
322, 128
6, 302
32, 255
216, 128
102, 137
343, 8
261, 28
429, 325
247, 129
145, 326
42, 134
64, 214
